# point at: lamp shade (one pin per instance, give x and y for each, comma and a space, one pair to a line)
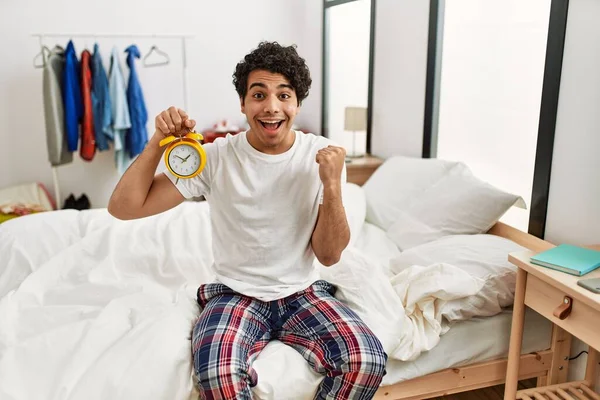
355, 119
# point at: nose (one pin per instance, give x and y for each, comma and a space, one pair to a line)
272, 105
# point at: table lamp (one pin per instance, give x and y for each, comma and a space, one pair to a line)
355, 120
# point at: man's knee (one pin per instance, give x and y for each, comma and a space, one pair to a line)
367, 357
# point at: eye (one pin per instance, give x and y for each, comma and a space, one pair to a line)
257, 95
285, 96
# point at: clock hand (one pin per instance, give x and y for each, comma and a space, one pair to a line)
179, 157
187, 157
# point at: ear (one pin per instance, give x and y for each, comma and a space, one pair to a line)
242, 106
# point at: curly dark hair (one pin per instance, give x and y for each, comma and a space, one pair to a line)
275, 58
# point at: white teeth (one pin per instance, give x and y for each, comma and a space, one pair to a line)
271, 124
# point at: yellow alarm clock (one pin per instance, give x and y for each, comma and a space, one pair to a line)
185, 157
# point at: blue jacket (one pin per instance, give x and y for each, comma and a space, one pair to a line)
100, 101
137, 137
73, 103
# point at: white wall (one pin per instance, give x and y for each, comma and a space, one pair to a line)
400, 77
492, 72
224, 32
574, 200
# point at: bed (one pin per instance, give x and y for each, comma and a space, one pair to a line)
545, 349
95, 308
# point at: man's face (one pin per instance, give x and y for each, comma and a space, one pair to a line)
270, 106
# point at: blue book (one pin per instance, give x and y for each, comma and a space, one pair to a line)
567, 258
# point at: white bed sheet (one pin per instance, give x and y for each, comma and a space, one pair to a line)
374, 242
100, 310
283, 374
472, 341
467, 342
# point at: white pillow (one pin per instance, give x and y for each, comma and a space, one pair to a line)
457, 204
431, 199
482, 256
398, 181
355, 204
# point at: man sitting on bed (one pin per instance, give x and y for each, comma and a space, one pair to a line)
276, 203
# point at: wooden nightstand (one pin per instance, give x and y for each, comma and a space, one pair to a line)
360, 169
556, 296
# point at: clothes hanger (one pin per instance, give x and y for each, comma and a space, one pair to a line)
43, 55
155, 49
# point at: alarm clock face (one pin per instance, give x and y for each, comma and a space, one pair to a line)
184, 160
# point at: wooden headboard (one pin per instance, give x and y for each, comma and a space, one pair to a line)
526, 240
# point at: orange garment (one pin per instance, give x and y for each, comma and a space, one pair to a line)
88, 139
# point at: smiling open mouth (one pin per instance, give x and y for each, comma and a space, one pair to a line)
271, 125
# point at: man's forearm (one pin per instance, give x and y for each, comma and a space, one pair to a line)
332, 234
132, 190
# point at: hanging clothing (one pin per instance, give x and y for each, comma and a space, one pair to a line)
137, 137
101, 103
73, 106
120, 111
56, 140
88, 140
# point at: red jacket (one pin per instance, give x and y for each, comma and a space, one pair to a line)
88, 139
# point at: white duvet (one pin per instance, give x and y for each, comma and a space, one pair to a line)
106, 307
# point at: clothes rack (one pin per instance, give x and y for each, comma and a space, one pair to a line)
181, 37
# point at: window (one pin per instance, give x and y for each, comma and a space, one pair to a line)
346, 69
491, 75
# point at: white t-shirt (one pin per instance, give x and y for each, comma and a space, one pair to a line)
264, 209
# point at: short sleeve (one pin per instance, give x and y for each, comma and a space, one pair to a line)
201, 183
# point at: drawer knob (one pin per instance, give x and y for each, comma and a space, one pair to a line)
563, 311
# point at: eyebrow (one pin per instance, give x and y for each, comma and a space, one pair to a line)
262, 85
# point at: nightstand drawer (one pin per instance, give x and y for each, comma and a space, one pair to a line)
360, 175
583, 321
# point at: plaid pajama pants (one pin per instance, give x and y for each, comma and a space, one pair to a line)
233, 329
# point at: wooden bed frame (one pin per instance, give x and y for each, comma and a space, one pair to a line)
549, 366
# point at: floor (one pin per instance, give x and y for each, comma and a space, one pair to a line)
491, 393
